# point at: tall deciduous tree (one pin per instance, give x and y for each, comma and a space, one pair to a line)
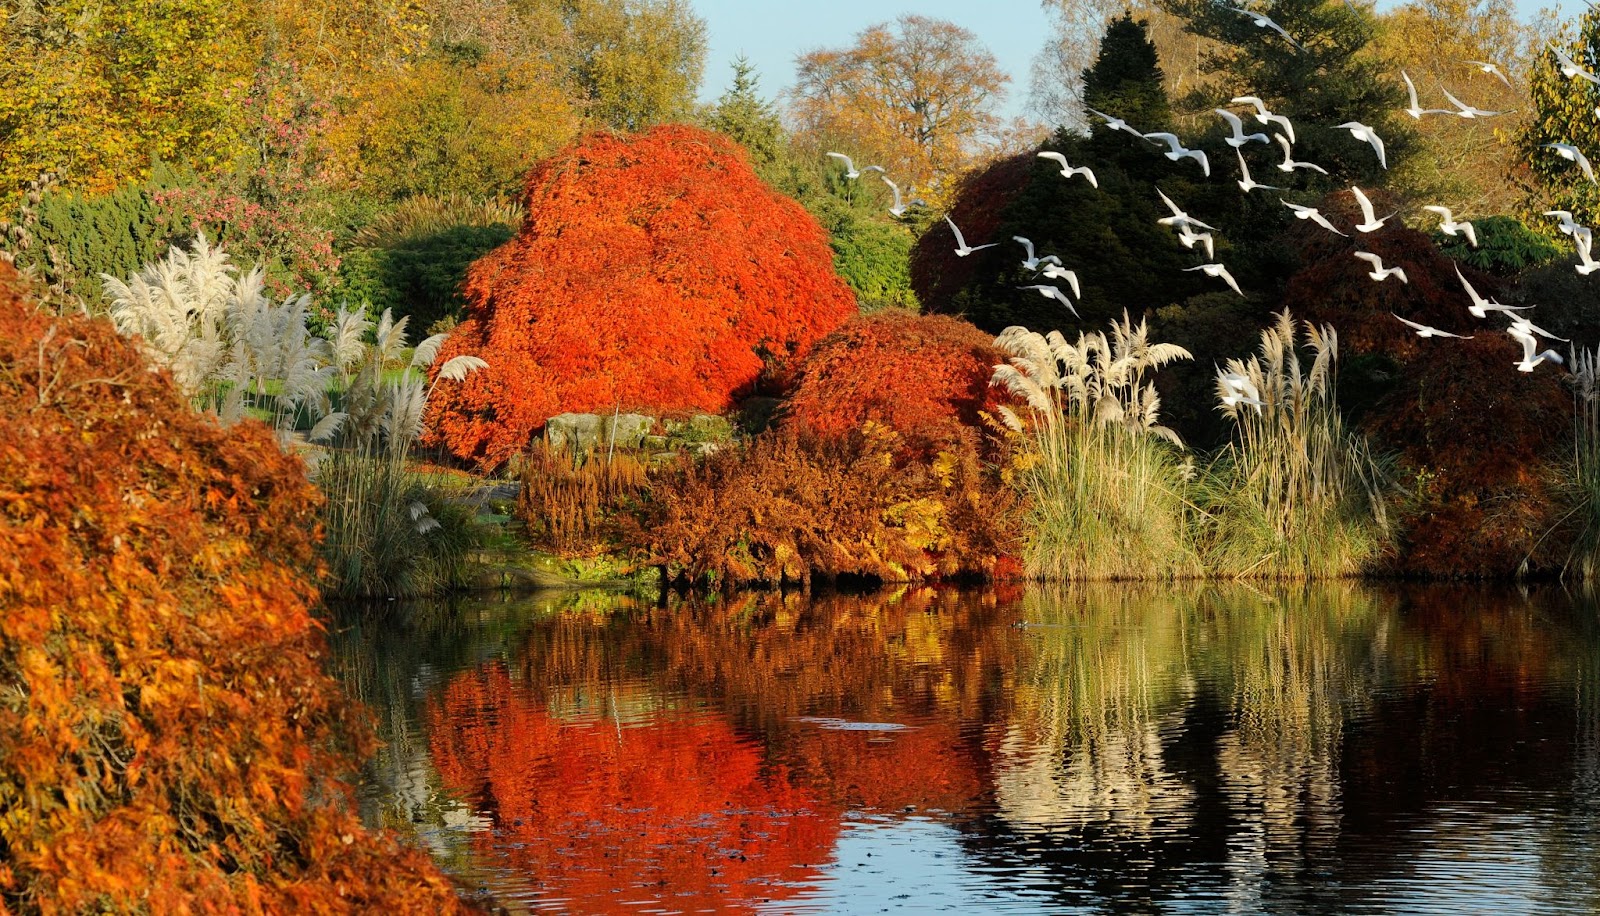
1564, 111
94, 91
636, 62
919, 95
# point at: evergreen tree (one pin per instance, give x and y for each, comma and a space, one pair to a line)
743, 115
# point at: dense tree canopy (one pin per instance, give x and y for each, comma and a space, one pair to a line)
1563, 112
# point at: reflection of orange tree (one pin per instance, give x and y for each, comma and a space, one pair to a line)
680, 801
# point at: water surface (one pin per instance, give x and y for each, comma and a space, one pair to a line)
1201, 749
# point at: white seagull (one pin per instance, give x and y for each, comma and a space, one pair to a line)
1492, 69
850, 170
1262, 22
1519, 323
1481, 307
1572, 154
1568, 224
1449, 225
1248, 184
1218, 270
1311, 213
1289, 164
899, 208
1115, 123
1057, 272
1050, 292
1415, 110
1188, 237
962, 248
1031, 262
1068, 171
1367, 135
1467, 111
1530, 344
1586, 264
1372, 223
1570, 68
1425, 331
1236, 126
1379, 272
1264, 116
1178, 217
1176, 150
1237, 389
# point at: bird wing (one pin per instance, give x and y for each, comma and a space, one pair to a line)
1583, 163
1251, 100
1199, 155
1366, 205
1057, 157
1472, 293
1295, 207
1236, 125
1048, 259
1370, 258
1227, 278
1377, 144
1444, 213
1026, 243
1088, 175
1472, 234
897, 205
1270, 118
1400, 275
1170, 205
1455, 101
1411, 90
1420, 327
851, 166
1288, 158
961, 241
1170, 139
1322, 221
1529, 343
873, 168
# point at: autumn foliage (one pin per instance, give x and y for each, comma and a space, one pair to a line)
169, 741
924, 376
654, 272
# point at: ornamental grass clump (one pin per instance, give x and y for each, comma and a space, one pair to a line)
1296, 494
1104, 480
570, 501
1579, 486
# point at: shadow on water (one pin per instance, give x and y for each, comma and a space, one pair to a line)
1193, 748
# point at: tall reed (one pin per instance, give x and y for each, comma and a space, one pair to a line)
1580, 485
567, 499
1104, 479
1296, 494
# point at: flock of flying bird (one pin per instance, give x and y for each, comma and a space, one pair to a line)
1192, 231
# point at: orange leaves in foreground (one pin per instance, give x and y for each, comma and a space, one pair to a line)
169, 741
655, 272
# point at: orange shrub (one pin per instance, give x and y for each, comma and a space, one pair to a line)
169, 741
924, 376
654, 272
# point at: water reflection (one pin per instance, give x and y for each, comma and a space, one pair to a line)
1197, 747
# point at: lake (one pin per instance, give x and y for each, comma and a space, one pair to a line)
1193, 749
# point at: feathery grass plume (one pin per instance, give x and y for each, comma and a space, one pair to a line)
426, 214
1296, 495
569, 502
1105, 480
1579, 486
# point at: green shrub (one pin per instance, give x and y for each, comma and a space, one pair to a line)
1505, 247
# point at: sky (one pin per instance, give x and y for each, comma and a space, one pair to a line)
772, 32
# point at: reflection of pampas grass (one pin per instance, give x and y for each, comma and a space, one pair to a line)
1104, 478
1296, 495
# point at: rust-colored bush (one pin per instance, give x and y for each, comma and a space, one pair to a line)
979, 207
924, 376
169, 741
794, 507
654, 272
569, 502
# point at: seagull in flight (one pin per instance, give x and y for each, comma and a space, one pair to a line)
1031, 262
899, 208
1467, 111
1481, 307
1519, 323
1492, 69
1449, 225
1289, 164
1568, 224
1414, 109
1372, 223
1424, 331
1248, 184
1176, 150
1218, 270
962, 248
1572, 154
1313, 214
1586, 264
1237, 389
1115, 123
1057, 272
1570, 68
1068, 171
1262, 22
1188, 237
850, 170
1236, 126
1367, 135
1264, 116
1379, 272
1530, 344
1050, 292
1178, 217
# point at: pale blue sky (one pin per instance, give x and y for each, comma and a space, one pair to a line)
772, 33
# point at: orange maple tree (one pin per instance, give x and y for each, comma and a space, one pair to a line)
169, 741
924, 376
655, 271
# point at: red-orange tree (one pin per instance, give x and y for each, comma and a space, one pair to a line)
924, 376
169, 741
656, 272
